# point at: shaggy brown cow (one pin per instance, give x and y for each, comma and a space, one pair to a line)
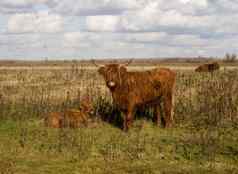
135, 89
209, 67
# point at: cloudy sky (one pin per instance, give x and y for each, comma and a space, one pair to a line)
69, 29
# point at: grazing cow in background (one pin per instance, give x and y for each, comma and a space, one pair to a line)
136, 89
208, 67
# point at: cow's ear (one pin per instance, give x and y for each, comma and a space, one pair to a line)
123, 69
101, 70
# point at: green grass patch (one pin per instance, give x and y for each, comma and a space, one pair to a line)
28, 147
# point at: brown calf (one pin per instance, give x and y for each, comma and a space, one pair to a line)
72, 118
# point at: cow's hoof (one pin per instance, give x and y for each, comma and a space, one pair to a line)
168, 126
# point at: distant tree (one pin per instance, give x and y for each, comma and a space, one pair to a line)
74, 61
233, 57
230, 57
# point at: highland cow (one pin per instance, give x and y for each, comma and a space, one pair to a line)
131, 90
209, 67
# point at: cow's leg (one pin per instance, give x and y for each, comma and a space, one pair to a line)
168, 104
128, 119
158, 114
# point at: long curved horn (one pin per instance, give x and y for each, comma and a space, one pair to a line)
94, 62
128, 62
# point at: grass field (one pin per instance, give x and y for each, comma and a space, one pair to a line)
204, 138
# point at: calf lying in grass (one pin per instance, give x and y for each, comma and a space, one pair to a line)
72, 118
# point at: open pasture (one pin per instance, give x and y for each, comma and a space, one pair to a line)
204, 138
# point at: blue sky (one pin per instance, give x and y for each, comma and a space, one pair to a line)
71, 29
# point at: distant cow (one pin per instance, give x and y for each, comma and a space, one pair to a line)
135, 89
208, 67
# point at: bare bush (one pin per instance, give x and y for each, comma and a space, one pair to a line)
230, 58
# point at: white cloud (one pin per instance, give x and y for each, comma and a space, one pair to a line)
79, 39
21, 6
31, 22
140, 28
146, 37
200, 3
185, 1
124, 4
76, 40
73, 36
22, 2
148, 18
103, 23
172, 17
94, 7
